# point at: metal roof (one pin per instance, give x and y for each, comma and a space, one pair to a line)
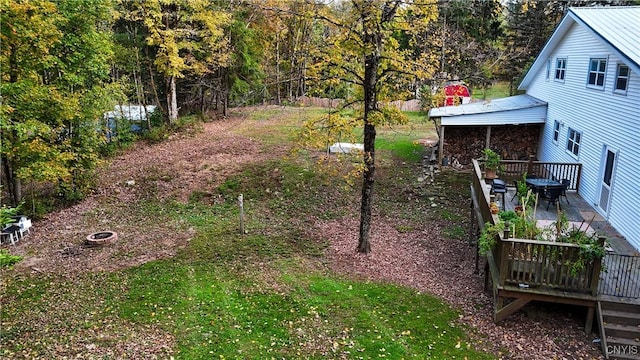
488, 106
616, 26
514, 110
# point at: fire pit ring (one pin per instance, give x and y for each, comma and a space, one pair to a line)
102, 237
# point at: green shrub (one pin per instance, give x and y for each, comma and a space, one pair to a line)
6, 214
8, 260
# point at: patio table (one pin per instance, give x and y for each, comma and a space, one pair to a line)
538, 185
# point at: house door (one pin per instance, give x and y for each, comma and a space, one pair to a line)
608, 167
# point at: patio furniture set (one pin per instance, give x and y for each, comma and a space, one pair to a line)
547, 189
16, 230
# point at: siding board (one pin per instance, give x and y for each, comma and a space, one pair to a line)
603, 117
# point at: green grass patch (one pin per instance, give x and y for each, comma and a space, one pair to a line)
496, 91
450, 215
405, 149
275, 126
456, 232
288, 188
215, 314
282, 125
403, 140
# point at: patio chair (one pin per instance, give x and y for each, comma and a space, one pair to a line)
518, 185
565, 184
23, 222
499, 187
552, 195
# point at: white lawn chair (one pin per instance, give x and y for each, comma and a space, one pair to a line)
24, 223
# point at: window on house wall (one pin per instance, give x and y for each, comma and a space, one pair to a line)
561, 67
556, 130
622, 78
573, 141
548, 73
597, 69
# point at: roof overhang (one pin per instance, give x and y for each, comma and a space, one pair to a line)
513, 110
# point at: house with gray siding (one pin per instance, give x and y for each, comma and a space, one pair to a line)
588, 74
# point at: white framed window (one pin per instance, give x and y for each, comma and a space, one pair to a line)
597, 70
622, 79
556, 131
548, 72
573, 141
561, 68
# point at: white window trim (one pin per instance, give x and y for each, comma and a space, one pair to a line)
556, 68
556, 124
570, 152
615, 80
604, 74
548, 70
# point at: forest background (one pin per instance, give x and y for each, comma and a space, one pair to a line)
64, 64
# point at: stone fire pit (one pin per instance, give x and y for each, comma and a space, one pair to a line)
102, 237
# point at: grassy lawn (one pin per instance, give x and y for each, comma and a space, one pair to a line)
402, 139
499, 90
264, 294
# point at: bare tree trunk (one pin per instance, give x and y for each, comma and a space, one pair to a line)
172, 101
17, 190
14, 182
278, 68
370, 106
372, 37
292, 72
201, 98
364, 243
142, 99
9, 177
153, 84
224, 79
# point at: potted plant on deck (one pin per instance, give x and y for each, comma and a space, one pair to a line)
491, 163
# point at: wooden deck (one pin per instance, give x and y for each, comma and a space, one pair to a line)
620, 275
524, 270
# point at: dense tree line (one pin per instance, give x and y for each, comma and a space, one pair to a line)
64, 63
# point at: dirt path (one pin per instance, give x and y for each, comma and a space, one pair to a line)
196, 161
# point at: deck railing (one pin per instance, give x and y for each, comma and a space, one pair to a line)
533, 263
481, 193
513, 170
620, 276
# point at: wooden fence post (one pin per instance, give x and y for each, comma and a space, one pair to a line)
241, 205
504, 259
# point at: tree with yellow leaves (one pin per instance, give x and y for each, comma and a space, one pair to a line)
189, 38
370, 45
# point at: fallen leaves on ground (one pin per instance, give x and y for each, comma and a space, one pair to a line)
423, 259
431, 263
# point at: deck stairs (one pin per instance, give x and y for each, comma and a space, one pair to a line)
619, 329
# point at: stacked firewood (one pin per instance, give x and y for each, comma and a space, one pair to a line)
512, 142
